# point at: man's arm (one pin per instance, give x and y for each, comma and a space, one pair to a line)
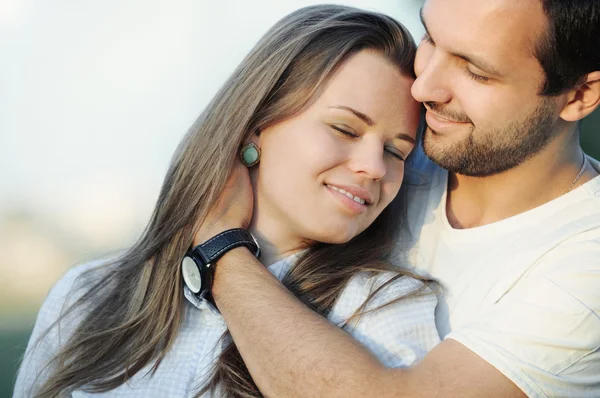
292, 351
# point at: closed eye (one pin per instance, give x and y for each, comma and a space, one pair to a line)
476, 77
394, 152
344, 132
390, 150
427, 39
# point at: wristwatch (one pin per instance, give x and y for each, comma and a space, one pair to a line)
198, 264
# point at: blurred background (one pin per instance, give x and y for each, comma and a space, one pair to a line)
94, 98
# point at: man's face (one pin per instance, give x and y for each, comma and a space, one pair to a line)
479, 80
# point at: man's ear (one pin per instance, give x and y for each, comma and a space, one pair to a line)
582, 100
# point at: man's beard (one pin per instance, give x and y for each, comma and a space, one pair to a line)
496, 150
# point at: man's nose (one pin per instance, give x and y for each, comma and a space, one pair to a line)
432, 83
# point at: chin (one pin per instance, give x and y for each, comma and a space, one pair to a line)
337, 241
337, 236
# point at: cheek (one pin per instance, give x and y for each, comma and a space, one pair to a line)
293, 161
489, 106
303, 145
281, 171
391, 185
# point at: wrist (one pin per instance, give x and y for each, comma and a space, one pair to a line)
232, 264
199, 263
233, 272
208, 231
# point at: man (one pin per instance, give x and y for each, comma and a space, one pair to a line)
510, 222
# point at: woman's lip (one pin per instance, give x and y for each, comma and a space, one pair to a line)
439, 123
355, 191
349, 204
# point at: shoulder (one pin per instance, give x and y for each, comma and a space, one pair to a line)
405, 299
544, 332
571, 269
390, 286
71, 280
69, 288
390, 298
66, 291
571, 238
592, 187
595, 163
384, 288
52, 329
397, 324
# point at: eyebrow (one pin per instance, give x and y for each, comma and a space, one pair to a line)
370, 122
358, 114
478, 62
406, 137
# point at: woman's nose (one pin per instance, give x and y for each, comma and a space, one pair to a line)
368, 159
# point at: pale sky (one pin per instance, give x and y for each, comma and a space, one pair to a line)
95, 96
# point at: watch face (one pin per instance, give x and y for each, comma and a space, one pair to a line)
191, 275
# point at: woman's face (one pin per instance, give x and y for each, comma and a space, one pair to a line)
327, 173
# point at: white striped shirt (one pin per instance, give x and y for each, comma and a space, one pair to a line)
399, 334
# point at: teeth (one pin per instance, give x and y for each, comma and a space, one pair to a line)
359, 200
348, 194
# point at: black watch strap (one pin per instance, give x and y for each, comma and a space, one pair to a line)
211, 250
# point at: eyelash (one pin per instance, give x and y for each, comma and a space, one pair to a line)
426, 38
396, 155
476, 77
353, 135
344, 132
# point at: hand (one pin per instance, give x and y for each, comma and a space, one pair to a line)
233, 208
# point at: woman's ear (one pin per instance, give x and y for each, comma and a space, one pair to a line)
255, 137
582, 100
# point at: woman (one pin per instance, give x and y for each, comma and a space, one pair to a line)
323, 104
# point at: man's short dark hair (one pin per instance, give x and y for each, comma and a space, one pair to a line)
570, 48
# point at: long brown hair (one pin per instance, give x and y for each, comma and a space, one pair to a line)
134, 308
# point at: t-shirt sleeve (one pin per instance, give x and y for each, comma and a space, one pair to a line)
42, 346
544, 334
399, 334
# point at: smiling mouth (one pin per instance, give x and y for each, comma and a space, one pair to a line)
443, 118
357, 199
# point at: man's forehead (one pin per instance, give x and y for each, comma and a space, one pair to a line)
501, 29
482, 7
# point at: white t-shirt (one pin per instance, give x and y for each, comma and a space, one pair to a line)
522, 293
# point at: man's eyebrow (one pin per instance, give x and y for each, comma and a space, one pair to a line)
478, 62
356, 113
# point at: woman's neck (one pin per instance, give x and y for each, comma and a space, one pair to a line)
269, 252
276, 240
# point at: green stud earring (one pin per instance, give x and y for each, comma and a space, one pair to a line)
250, 154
